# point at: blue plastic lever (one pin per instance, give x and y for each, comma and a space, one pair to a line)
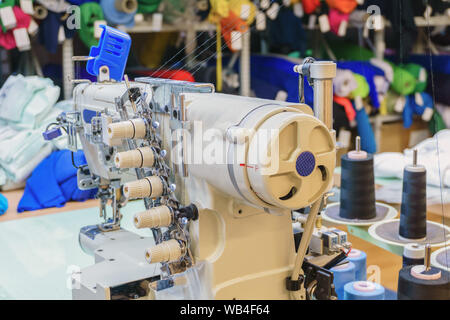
52, 133
112, 51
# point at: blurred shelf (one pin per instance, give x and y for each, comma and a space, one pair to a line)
433, 21
147, 27
386, 118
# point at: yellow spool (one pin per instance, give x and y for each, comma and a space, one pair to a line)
166, 251
156, 217
148, 187
130, 129
138, 158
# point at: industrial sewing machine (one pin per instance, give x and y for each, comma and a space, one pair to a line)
221, 176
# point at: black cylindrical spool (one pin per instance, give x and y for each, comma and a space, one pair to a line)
413, 212
411, 288
357, 188
407, 261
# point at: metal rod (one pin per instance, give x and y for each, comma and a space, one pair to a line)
323, 101
322, 73
304, 243
68, 73
415, 157
245, 65
358, 143
427, 257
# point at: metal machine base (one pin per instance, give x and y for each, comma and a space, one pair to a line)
120, 270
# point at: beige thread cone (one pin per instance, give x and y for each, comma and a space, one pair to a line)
138, 158
40, 12
166, 251
147, 187
127, 6
156, 217
131, 129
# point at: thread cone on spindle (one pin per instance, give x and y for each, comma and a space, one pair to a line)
138, 158
413, 254
166, 251
413, 210
357, 199
148, 187
156, 217
416, 283
130, 129
127, 6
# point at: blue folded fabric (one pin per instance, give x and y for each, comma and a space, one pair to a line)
286, 33
3, 204
54, 182
278, 73
365, 131
49, 29
411, 108
368, 71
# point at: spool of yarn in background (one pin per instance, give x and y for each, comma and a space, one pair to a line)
404, 82
8, 19
413, 254
365, 131
344, 83
362, 89
420, 73
357, 188
362, 119
363, 290
119, 12
55, 6
90, 12
415, 283
40, 12
148, 6
7, 39
52, 29
359, 259
413, 212
203, 7
343, 274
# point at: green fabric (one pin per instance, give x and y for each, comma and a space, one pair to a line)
173, 10
404, 82
415, 70
90, 12
5, 3
363, 87
148, 6
436, 123
294, 54
349, 51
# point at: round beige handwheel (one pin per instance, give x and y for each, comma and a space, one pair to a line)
301, 170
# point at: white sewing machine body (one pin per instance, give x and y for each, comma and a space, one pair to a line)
243, 163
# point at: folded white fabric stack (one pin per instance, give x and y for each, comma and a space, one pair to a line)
27, 106
433, 153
